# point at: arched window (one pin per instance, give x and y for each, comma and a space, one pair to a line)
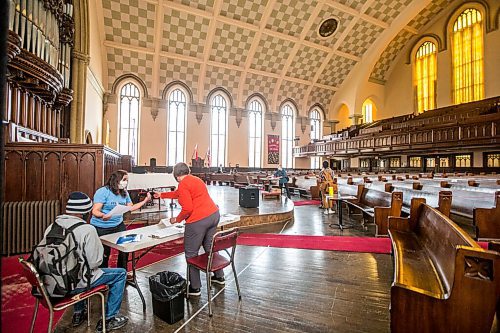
287, 134
177, 109
218, 130
367, 111
129, 120
425, 76
467, 57
315, 117
255, 111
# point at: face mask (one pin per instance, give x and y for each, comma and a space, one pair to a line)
123, 184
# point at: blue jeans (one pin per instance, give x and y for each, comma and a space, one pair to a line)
115, 279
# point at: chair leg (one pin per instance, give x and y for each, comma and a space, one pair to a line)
236, 280
209, 284
35, 312
88, 312
51, 319
103, 312
187, 282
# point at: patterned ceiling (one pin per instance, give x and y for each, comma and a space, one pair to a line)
383, 65
248, 46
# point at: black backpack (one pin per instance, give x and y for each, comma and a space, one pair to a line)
58, 263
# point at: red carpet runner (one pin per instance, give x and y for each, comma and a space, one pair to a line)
327, 243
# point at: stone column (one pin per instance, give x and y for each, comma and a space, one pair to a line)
355, 118
79, 83
80, 62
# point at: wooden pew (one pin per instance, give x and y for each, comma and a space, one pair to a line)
377, 206
307, 187
443, 280
487, 220
240, 180
443, 203
222, 178
417, 186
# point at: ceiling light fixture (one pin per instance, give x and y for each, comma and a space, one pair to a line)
328, 27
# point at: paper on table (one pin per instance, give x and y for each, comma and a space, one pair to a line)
167, 232
119, 210
166, 223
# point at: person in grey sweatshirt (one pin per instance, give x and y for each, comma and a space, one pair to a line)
90, 247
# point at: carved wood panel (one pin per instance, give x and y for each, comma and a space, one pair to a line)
14, 176
40, 171
51, 178
34, 167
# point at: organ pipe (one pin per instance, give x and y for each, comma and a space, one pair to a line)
45, 29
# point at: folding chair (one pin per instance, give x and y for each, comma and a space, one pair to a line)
213, 261
52, 305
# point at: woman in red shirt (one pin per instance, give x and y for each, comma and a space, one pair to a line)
202, 217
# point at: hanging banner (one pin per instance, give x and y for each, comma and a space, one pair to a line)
273, 149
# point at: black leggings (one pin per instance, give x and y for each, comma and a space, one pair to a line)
285, 185
122, 257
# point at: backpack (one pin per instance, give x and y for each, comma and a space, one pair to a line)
58, 263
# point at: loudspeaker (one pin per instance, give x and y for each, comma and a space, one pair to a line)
249, 197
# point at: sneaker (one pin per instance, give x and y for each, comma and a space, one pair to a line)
112, 324
79, 318
217, 280
194, 291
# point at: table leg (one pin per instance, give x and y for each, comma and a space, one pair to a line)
340, 223
135, 284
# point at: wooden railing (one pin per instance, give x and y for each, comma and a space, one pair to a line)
474, 127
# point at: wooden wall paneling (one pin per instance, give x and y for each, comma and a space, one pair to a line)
52, 176
100, 167
87, 174
14, 176
33, 174
69, 175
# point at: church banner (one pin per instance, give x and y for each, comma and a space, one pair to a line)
273, 149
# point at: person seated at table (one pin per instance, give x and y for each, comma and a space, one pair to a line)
90, 247
325, 182
113, 193
202, 217
219, 170
283, 180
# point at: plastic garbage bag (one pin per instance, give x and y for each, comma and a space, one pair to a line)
166, 286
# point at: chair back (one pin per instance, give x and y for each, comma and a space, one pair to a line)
225, 239
31, 274
222, 241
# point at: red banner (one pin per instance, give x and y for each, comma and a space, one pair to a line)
273, 149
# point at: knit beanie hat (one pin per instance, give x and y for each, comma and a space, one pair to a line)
78, 203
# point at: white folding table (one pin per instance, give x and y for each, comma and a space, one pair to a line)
147, 243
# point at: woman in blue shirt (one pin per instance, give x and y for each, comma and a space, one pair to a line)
113, 193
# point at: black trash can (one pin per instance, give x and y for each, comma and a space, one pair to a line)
168, 290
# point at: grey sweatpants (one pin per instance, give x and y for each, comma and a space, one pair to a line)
197, 234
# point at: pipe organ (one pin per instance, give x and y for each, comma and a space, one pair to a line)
40, 44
